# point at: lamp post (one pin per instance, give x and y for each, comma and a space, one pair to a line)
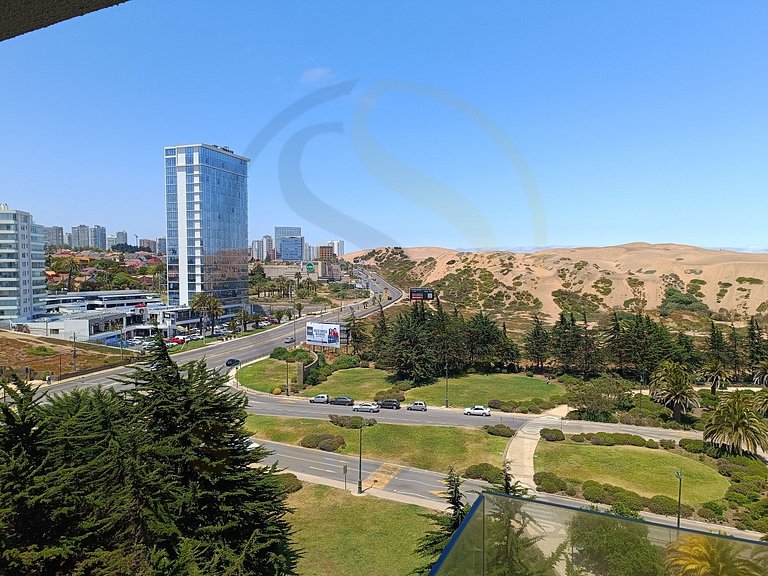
360, 465
287, 383
446, 384
679, 475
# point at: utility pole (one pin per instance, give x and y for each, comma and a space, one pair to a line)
679, 474
446, 384
74, 352
360, 465
287, 382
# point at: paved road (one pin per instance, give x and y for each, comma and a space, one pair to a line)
247, 348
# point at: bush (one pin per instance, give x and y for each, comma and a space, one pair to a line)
662, 505
41, 351
488, 472
391, 393
569, 380
706, 514
552, 434
529, 373
290, 482
345, 362
667, 444
364, 364
352, 422
578, 438
279, 353
652, 444
495, 404
692, 446
715, 507
277, 390
500, 430
533, 409
323, 441
593, 492
549, 482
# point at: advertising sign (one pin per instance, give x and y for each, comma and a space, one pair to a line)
323, 334
421, 294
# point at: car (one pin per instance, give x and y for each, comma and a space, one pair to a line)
365, 407
391, 403
420, 406
289, 340
251, 444
477, 411
342, 401
196, 337
319, 399
232, 362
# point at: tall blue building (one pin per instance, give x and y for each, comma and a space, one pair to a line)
206, 201
280, 233
292, 248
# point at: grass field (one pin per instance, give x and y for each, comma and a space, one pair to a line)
642, 470
479, 388
435, 448
346, 535
264, 375
359, 383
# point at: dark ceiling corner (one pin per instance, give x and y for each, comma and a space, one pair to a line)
21, 16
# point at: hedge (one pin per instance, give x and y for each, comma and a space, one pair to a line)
552, 434
488, 472
290, 482
323, 441
667, 444
345, 361
353, 422
390, 393
667, 506
549, 482
500, 430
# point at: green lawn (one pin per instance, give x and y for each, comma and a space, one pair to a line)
264, 375
359, 383
642, 470
479, 388
435, 448
346, 535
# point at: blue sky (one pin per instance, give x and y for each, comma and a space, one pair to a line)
473, 125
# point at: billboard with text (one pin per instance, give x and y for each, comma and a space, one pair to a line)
323, 334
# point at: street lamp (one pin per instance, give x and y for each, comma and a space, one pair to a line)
446, 384
679, 475
287, 384
360, 465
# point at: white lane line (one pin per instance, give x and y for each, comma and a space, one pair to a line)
321, 469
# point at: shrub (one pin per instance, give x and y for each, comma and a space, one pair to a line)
279, 353
290, 482
364, 364
578, 438
662, 505
651, 443
569, 380
715, 507
323, 441
345, 361
529, 374
533, 409
488, 472
593, 492
277, 390
537, 401
353, 422
571, 490
500, 430
667, 444
41, 351
706, 514
510, 406
692, 446
552, 434
495, 404
326, 371
549, 482
391, 393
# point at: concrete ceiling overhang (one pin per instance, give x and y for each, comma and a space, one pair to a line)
21, 16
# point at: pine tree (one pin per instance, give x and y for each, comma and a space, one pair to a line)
566, 342
734, 353
716, 349
411, 349
613, 337
536, 344
755, 345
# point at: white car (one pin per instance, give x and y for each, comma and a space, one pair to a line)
365, 407
477, 411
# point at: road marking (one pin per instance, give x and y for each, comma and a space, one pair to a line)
321, 469
383, 475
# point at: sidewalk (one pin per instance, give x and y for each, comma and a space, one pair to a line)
521, 448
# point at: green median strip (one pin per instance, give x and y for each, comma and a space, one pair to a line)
435, 448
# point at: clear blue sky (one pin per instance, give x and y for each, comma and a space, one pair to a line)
476, 124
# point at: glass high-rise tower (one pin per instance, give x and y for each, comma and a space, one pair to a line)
206, 201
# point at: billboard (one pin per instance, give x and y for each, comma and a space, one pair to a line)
422, 294
323, 334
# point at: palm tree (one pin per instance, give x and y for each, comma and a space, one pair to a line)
214, 310
299, 307
297, 277
761, 374
760, 402
199, 304
716, 374
734, 425
672, 385
243, 317
701, 555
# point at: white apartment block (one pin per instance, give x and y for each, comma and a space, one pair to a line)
22, 266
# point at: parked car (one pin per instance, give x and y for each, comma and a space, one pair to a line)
342, 401
232, 362
319, 399
421, 406
391, 403
252, 444
365, 407
477, 411
289, 340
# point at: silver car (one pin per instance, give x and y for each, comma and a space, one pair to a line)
365, 407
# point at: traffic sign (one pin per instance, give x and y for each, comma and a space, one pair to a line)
310, 267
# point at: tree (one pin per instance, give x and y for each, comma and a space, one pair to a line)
413, 355
613, 338
481, 341
700, 555
358, 336
590, 352
431, 545
716, 374
716, 349
646, 343
734, 425
565, 342
381, 339
760, 371
672, 385
734, 353
536, 344
597, 399
685, 352
760, 402
199, 305
755, 345
214, 310
243, 317
299, 307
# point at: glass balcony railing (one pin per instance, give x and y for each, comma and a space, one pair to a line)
507, 536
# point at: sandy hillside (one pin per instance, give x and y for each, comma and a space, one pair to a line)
598, 279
